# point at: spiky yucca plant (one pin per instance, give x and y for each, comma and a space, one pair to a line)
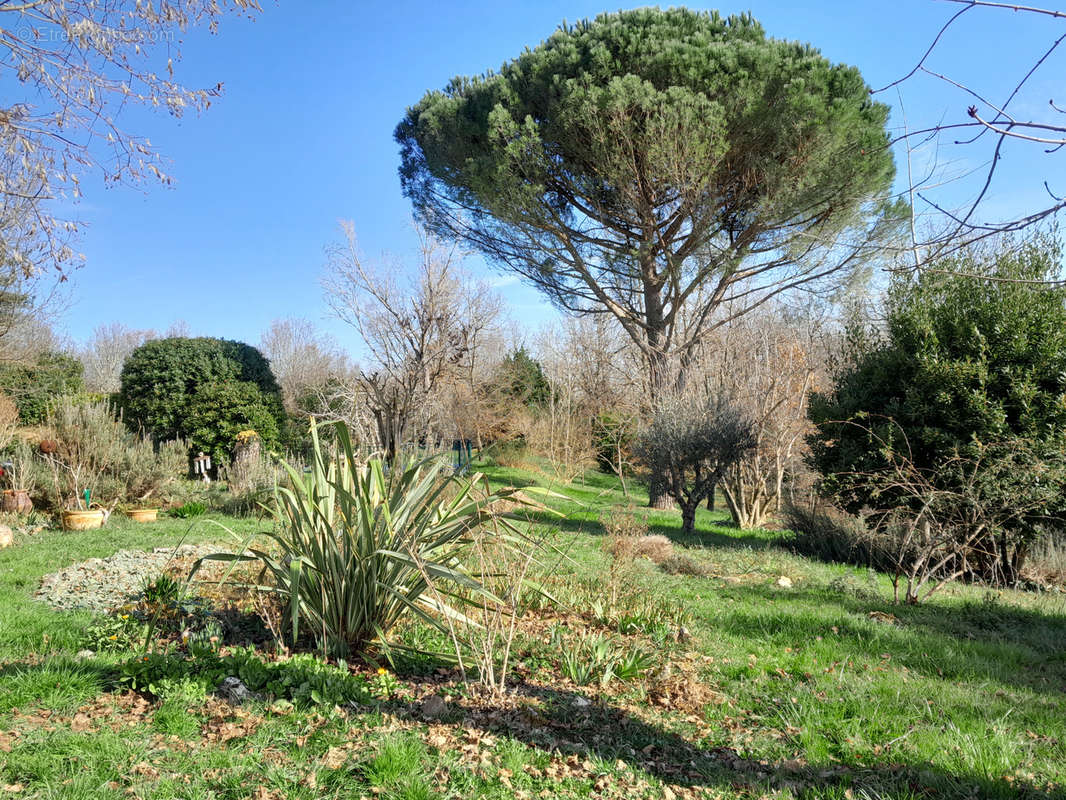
358, 545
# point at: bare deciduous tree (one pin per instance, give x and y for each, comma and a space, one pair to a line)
304, 361
991, 126
80, 66
106, 352
178, 329
766, 365
419, 334
26, 292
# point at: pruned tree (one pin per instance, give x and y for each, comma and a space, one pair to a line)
626, 164
692, 442
78, 66
418, 335
106, 352
767, 363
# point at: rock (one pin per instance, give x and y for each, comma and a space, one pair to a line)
83, 655
784, 582
434, 707
582, 702
234, 690
7, 537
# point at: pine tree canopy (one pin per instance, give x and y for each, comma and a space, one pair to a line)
629, 162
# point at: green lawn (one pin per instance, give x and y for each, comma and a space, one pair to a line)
820, 689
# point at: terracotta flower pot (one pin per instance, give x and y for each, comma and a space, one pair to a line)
83, 520
17, 501
143, 514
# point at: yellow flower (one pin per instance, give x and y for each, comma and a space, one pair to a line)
112, 638
125, 616
382, 671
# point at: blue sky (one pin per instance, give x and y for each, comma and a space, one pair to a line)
302, 137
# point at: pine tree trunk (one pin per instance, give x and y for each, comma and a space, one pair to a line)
657, 378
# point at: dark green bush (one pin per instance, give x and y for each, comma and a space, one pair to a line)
203, 390
522, 378
218, 412
971, 372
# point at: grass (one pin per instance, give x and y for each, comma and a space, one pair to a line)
821, 689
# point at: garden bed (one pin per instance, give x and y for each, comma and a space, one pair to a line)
101, 584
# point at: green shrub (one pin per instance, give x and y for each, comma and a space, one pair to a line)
302, 679
36, 387
967, 389
216, 413
358, 546
189, 510
522, 378
204, 390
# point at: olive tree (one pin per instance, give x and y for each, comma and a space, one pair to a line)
689, 445
651, 161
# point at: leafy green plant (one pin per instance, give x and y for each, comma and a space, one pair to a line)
205, 390
589, 659
189, 510
576, 667
357, 546
302, 679
115, 633
163, 589
632, 664
597, 658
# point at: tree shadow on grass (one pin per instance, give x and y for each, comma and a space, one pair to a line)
570, 724
972, 641
712, 535
719, 534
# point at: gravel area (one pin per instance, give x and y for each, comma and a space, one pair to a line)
100, 584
